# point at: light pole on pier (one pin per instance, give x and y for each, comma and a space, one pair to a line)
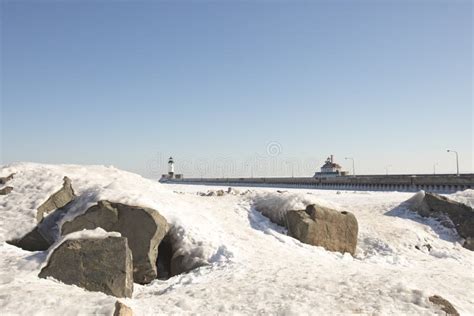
353, 165
434, 168
386, 169
292, 168
251, 169
457, 160
222, 171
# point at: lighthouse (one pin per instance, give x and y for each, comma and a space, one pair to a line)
170, 176
171, 168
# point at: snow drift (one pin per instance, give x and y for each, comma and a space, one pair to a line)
275, 205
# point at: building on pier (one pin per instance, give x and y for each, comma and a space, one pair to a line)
330, 169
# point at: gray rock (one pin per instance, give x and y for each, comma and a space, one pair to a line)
460, 214
103, 265
49, 228
46, 232
122, 310
6, 190
320, 226
33, 241
57, 200
4, 180
144, 228
448, 212
421, 247
445, 305
232, 191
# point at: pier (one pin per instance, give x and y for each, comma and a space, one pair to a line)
442, 183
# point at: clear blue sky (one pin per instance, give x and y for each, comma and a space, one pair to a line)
241, 83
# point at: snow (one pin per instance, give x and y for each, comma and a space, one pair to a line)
275, 205
252, 266
466, 197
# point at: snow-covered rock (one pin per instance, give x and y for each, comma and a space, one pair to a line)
57, 200
95, 264
450, 213
276, 205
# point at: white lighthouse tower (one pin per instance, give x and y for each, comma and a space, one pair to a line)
171, 168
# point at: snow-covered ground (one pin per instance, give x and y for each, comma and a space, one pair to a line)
254, 268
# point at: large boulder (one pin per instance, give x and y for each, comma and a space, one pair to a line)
144, 228
103, 265
440, 207
320, 226
57, 200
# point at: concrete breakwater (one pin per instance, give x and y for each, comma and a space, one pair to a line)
407, 183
